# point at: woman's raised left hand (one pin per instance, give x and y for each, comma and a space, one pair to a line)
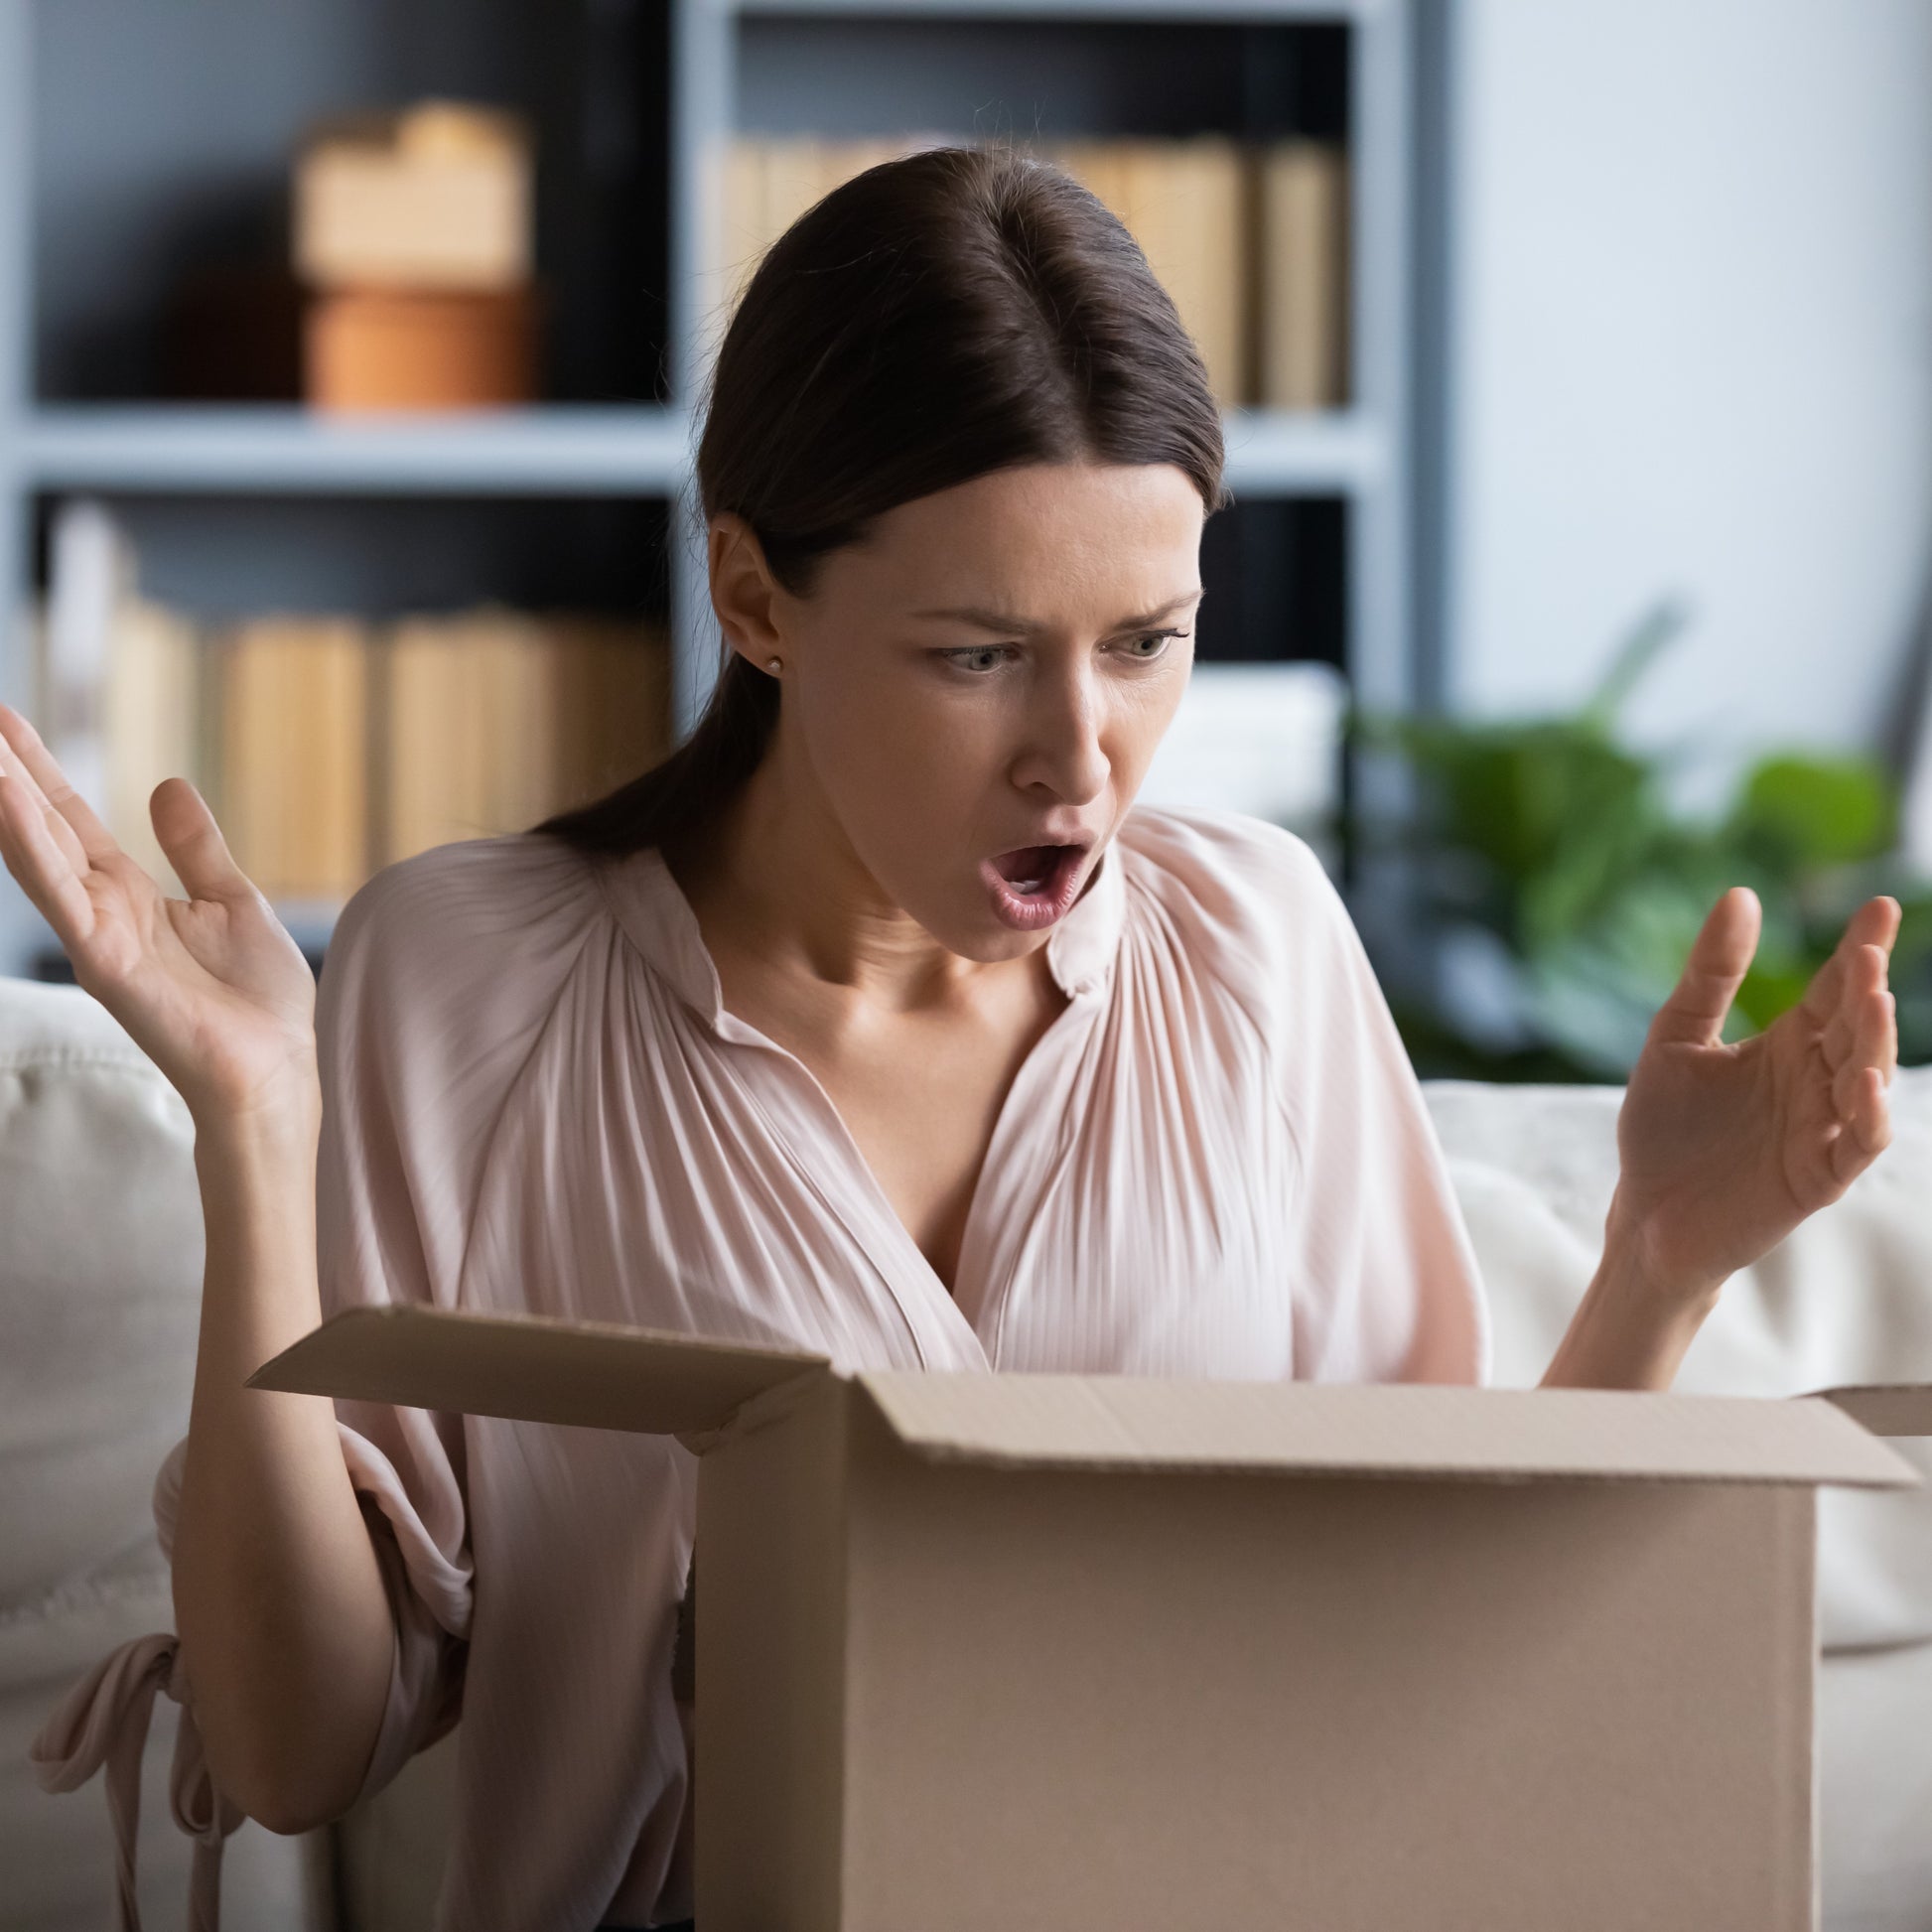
1724, 1149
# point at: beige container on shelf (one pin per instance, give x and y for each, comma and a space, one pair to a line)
405, 349
1089, 1651
436, 197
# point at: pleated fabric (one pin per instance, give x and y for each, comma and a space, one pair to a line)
1216, 1162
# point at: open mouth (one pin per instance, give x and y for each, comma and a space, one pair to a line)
1032, 885
1029, 869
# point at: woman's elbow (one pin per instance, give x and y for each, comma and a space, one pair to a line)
287, 1799
291, 1780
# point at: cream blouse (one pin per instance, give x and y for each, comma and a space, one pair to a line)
1215, 1162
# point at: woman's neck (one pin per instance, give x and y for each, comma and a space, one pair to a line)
778, 891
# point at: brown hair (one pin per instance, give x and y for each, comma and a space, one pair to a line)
938, 317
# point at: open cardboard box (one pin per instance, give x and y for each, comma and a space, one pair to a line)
1071, 1653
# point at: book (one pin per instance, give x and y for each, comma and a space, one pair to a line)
326, 745
1301, 306
1185, 202
152, 725
767, 183
1250, 240
493, 718
613, 692
293, 747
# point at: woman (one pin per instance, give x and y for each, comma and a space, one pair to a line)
874, 1021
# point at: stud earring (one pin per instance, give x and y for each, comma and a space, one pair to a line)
775, 665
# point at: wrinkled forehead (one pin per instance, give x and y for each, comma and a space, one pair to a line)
1048, 545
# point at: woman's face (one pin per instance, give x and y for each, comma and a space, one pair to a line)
971, 697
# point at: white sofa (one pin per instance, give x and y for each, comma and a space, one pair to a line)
100, 1252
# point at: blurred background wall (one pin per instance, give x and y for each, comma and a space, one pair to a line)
1690, 352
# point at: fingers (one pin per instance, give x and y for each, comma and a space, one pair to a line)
44, 871
1878, 1038
1888, 916
1861, 982
11, 766
1864, 1032
1871, 1031
25, 742
1720, 957
1867, 1134
1874, 923
192, 841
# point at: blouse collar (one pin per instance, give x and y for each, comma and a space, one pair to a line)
655, 914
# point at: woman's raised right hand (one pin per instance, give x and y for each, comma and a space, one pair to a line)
211, 988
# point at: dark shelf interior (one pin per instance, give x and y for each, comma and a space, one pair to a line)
848, 76
164, 133
218, 558
1275, 571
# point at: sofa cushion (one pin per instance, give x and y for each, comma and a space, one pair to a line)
57, 1854
100, 1288
1874, 1790
100, 1281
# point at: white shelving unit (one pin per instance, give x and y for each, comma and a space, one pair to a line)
55, 444
563, 449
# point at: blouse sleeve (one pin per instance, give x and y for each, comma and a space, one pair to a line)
439, 975
386, 1234
1391, 1288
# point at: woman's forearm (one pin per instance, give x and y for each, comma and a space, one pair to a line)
284, 1624
1630, 1330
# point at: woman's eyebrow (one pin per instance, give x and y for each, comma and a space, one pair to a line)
998, 620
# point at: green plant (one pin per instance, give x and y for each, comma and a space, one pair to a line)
1556, 840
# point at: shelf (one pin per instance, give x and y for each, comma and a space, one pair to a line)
563, 449
139, 151
566, 450
1271, 452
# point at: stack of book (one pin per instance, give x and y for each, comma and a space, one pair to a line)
412, 231
330, 746
1250, 239
491, 720
287, 700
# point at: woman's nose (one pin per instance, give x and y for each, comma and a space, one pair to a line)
1065, 751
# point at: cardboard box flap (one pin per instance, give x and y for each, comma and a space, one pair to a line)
1386, 1429
536, 1368
1886, 1409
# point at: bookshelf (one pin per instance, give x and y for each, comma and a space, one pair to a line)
135, 140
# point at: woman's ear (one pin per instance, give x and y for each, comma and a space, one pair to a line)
742, 591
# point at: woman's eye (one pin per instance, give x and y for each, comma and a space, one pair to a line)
982, 658
976, 657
